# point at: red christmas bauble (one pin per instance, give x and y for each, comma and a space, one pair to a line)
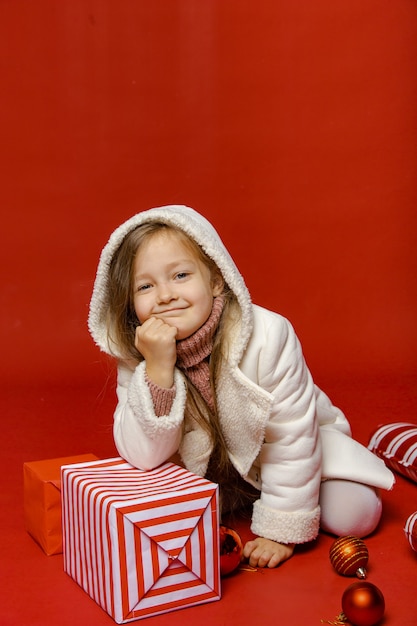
349, 556
410, 530
363, 604
231, 548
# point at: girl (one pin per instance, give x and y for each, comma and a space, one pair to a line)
205, 374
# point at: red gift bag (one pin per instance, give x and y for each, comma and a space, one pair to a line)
42, 500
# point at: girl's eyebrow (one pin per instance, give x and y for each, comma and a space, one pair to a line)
169, 267
174, 264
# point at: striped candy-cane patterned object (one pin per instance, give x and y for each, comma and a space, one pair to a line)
396, 444
140, 543
411, 530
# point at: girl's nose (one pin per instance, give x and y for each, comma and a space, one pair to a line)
165, 293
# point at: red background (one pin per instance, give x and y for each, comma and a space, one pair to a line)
292, 125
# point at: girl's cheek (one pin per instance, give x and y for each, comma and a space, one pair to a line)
139, 312
143, 312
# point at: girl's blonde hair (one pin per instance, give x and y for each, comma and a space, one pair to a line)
122, 322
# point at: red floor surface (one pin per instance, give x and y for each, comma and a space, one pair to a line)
47, 422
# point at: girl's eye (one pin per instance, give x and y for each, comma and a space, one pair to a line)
181, 275
143, 287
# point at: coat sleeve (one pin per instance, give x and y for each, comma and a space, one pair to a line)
290, 457
142, 438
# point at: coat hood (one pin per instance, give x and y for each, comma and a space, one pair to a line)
195, 226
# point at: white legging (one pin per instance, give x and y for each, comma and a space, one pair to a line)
349, 508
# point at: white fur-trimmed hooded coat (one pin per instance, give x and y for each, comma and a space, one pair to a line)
283, 434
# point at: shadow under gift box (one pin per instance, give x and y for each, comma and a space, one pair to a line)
140, 543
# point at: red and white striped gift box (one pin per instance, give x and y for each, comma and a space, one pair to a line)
140, 543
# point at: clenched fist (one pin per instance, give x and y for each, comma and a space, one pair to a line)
156, 341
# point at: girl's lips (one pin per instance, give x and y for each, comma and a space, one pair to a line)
170, 311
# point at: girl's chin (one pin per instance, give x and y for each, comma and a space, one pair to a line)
185, 334
181, 336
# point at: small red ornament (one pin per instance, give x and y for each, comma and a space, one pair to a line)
231, 549
363, 604
410, 530
349, 556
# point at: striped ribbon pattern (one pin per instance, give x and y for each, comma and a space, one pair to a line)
397, 444
140, 543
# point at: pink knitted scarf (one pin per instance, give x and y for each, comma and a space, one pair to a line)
193, 352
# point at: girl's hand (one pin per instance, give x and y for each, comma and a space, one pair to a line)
263, 552
156, 341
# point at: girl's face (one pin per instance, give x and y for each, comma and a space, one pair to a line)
171, 283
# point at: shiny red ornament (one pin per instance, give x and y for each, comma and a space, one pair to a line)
349, 556
410, 530
231, 548
363, 604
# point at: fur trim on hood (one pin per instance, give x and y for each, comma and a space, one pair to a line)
196, 227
